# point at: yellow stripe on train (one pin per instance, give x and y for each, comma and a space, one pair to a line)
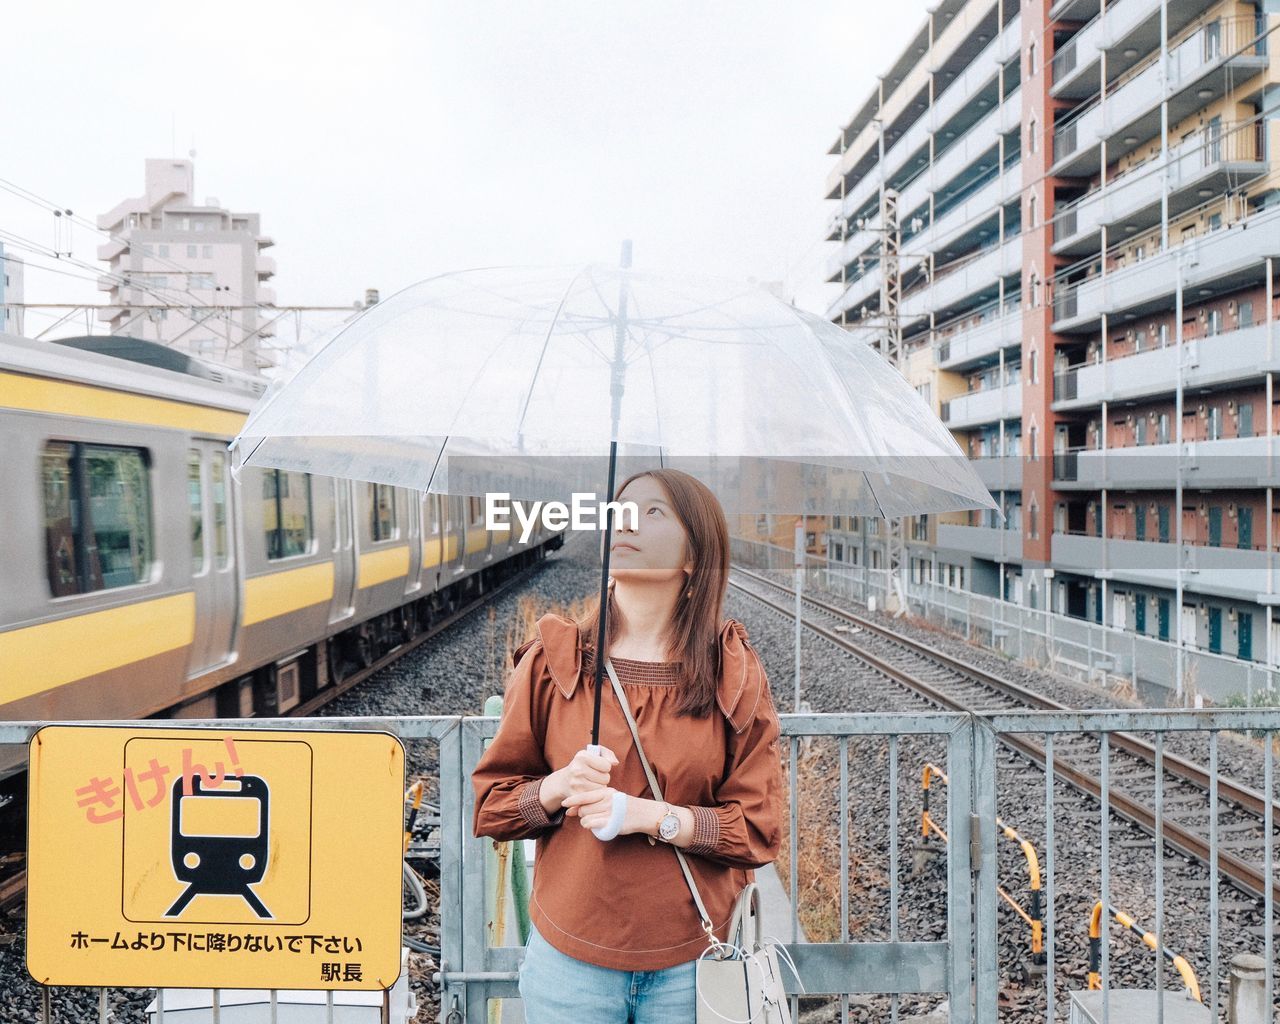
85, 401
379, 566
39, 658
279, 593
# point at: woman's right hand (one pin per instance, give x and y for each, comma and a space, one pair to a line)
587, 771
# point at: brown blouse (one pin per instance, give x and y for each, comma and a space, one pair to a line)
624, 904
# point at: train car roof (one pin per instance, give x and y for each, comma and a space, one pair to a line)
132, 365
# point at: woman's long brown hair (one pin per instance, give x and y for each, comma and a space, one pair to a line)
695, 626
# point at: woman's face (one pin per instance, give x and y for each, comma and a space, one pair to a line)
653, 549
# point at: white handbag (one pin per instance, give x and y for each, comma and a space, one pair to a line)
738, 981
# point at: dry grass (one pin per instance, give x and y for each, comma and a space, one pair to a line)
818, 847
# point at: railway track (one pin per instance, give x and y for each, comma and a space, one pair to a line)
939, 679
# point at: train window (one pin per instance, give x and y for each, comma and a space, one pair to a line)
382, 498
433, 503
218, 491
475, 506
195, 505
97, 512
286, 513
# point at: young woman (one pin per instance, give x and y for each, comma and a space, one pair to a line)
615, 930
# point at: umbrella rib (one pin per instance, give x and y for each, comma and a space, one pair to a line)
439, 456
546, 341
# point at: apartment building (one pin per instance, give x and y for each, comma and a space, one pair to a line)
1088, 217
188, 275
12, 276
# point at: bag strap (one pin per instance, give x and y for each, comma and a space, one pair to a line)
657, 791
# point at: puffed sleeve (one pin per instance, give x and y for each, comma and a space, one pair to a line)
744, 827
509, 773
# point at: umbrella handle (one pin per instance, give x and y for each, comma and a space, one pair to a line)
617, 815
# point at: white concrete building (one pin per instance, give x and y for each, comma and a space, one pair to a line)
194, 276
11, 310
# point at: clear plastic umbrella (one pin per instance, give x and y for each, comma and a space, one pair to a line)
517, 380
541, 383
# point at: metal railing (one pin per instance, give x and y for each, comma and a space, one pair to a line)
961, 959
1032, 634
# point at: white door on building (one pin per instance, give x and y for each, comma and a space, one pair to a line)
1120, 611
1188, 625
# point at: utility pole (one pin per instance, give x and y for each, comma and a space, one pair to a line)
890, 344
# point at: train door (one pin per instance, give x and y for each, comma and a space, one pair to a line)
413, 499
213, 568
344, 553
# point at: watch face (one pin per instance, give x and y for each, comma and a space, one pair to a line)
669, 827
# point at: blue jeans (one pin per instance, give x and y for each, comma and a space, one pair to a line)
557, 988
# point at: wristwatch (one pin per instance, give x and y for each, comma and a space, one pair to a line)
668, 825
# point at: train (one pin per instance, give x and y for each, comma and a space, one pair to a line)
142, 580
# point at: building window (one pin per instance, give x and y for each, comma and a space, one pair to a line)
218, 494
97, 515
1215, 422
195, 505
1031, 212
207, 251
191, 252
1032, 133
1031, 59
1244, 317
382, 505
286, 513
164, 252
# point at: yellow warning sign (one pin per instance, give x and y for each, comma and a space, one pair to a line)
207, 859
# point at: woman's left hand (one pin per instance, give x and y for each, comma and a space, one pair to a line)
595, 807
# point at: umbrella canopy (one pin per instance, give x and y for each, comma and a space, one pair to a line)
520, 380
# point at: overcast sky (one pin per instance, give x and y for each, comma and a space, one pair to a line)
386, 142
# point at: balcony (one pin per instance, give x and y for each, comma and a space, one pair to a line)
110, 250
965, 279
1231, 257
1217, 158
1226, 572
1207, 362
975, 78
1236, 462
999, 472
961, 219
1132, 110
981, 343
994, 543
987, 406
857, 294
266, 267
1125, 24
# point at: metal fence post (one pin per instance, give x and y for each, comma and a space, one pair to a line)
960, 887
984, 866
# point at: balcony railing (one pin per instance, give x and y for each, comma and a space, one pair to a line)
1139, 88
1139, 187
